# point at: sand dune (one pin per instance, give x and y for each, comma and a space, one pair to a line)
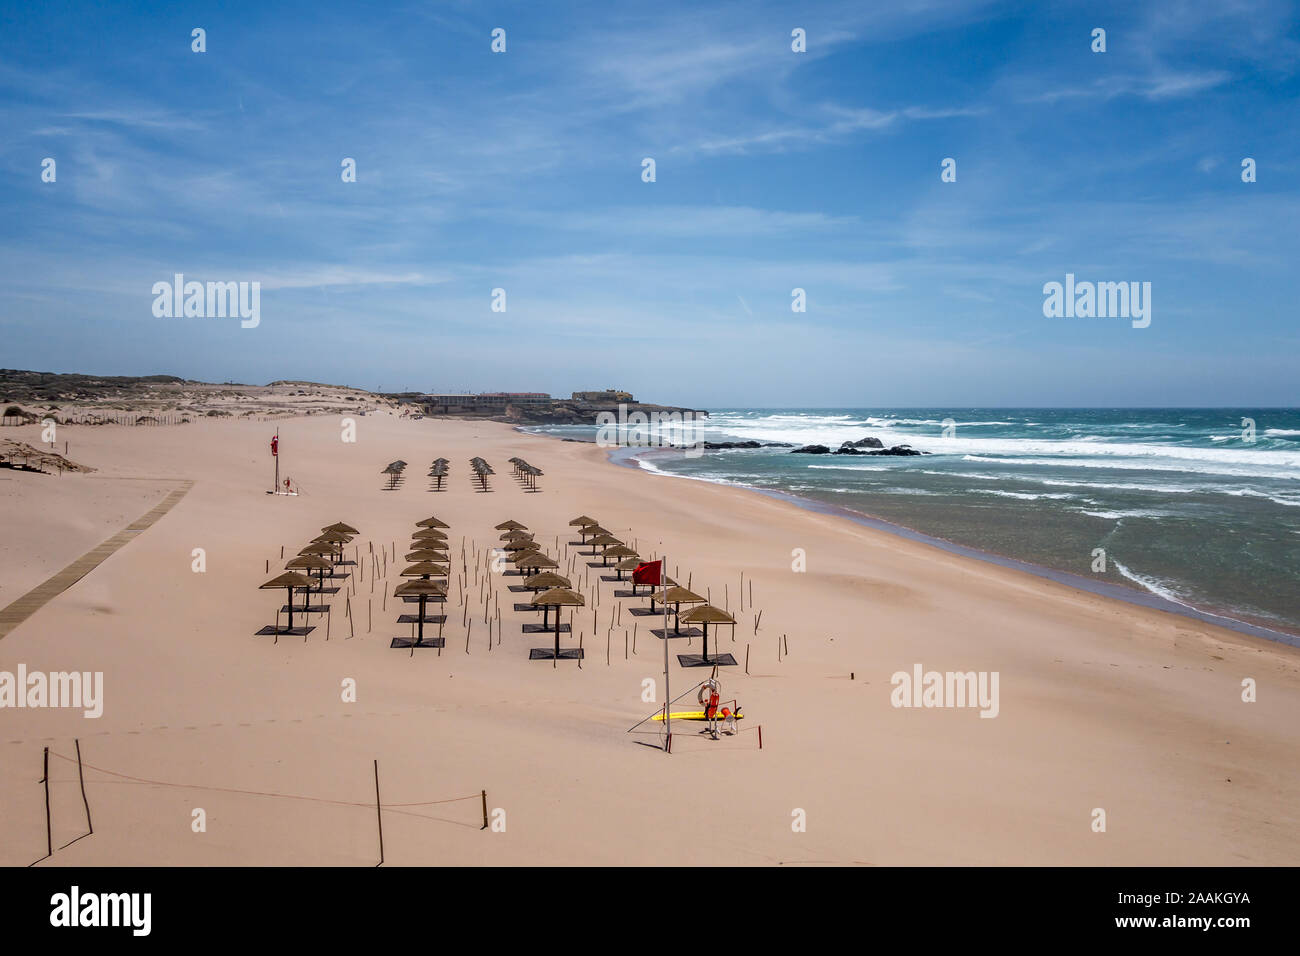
1102, 704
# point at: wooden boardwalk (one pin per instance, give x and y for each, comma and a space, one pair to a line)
35, 599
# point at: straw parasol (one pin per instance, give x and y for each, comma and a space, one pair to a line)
292, 579
511, 525
426, 554
677, 596
614, 549
628, 564
705, 614
582, 520
340, 526
535, 559
557, 598
432, 522
545, 580
319, 548
430, 533
516, 536
424, 589
521, 544
310, 562
424, 569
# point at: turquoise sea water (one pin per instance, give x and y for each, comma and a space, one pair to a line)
1184, 504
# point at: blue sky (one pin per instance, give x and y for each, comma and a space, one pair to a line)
775, 170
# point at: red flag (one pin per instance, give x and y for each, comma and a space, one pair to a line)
647, 573
275, 446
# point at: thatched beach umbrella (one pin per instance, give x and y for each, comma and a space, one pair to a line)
320, 548
292, 579
582, 520
617, 551
424, 569
511, 525
424, 589
310, 562
535, 560
432, 522
427, 554
677, 596
521, 544
545, 580
591, 529
628, 564
558, 598
340, 526
516, 536
706, 614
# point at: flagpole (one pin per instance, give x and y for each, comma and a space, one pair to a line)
277, 461
668, 696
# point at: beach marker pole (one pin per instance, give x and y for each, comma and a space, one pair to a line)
45, 779
485, 816
747, 658
668, 717
81, 777
379, 815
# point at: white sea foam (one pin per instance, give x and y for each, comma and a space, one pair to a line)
1024, 495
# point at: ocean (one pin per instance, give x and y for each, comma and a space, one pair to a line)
1198, 507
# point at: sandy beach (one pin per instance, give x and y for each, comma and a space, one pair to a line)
1102, 704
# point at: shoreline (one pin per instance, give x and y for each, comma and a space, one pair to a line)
631, 457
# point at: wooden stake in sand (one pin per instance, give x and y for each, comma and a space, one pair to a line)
369, 618
485, 816
746, 658
49, 831
379, 815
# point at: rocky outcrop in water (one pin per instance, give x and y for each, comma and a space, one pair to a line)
719, 445
865, 446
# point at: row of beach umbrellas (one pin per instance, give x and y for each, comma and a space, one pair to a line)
394, 471
481, 471
429, 560
526, 474
438, 472
329, 543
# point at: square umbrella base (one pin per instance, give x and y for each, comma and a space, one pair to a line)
408, 642
546, 629
697, 660
309, 609
519, 587
630, 594
659, 632
548, 654
613, 577
647, 611
323, 591
431, 599
527, 607
428, 619
298, 631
